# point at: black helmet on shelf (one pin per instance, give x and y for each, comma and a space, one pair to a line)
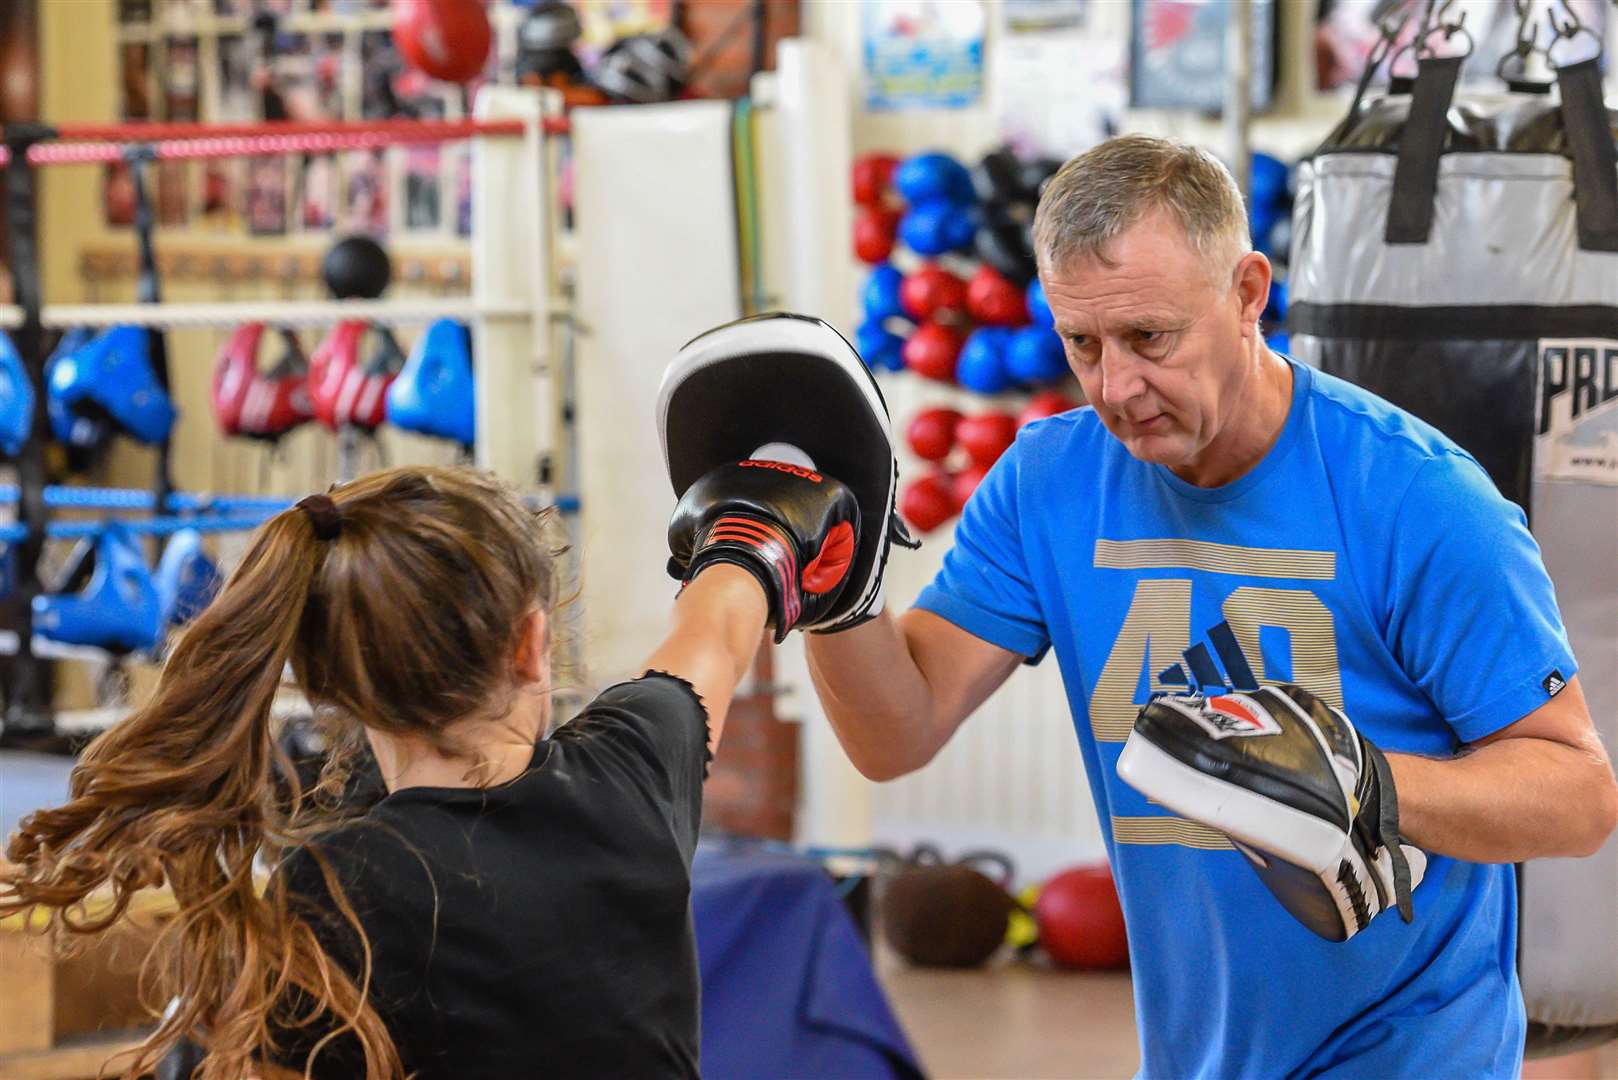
645, 68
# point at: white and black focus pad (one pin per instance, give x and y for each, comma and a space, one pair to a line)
1303, 796
790, 379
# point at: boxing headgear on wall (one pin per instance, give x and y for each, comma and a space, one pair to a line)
433, 393
186, 579
260, 404
16, 399
109, 378
343, 391
107, 599
645, 68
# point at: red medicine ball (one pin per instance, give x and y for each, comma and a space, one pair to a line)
874, 230
1081, 923
931, 352
932, 291
872, 176
963, 483
931, 434
994, 301
927, 502
986, 436
1043, 404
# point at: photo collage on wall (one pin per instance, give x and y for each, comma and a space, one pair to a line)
220, 61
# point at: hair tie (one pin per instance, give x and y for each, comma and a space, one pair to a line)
324, 515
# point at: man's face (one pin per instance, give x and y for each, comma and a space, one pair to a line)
1161, 341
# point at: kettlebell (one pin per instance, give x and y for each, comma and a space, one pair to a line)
938, 914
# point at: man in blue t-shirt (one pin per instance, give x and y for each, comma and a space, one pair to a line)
1352, 550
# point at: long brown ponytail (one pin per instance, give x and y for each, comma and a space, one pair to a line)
184, 792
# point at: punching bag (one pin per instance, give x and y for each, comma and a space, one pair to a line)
1457, 254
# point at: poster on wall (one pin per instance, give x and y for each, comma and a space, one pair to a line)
1346, 31
1177, 54
266, 196
922, 54
1056, 86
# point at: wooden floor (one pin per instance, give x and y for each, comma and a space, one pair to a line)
1013, 1020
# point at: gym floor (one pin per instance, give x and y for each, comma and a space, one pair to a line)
1015, 1020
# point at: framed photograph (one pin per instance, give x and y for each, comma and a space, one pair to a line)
118, 194
1177, 55
463, 190
266, 197
180, 82
317, 193
422, 184
365, 192
136, 103
221, 180
173, 183
234, 96
380, 65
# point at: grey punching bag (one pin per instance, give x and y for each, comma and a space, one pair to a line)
1457, 254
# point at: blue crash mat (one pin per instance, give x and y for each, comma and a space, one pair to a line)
787, 986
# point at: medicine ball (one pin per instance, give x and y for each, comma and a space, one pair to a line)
997, 176
1006, 247
1081, 923
937, 915
356, 267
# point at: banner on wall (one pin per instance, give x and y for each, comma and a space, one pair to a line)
1576, 437
922, 54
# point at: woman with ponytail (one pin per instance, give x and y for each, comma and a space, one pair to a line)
516, 903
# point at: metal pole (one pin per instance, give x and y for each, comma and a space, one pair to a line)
28, 686
1238, 87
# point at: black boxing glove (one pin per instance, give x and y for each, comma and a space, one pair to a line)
794, 529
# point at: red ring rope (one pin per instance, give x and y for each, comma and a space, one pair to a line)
81, 143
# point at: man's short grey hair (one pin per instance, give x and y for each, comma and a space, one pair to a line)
1103, 191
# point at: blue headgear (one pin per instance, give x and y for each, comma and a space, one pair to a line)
16, 399
186, 579
433, 393
118, 607
82, 431
110, 376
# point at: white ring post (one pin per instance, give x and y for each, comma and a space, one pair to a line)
813, 108
510, 261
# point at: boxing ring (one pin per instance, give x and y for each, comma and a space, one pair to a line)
512, 309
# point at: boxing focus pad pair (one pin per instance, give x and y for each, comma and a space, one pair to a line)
779, 448
1306, 799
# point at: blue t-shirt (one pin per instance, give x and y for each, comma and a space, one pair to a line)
1366, 558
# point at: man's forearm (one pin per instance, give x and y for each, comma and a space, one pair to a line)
1509, 801
876, 697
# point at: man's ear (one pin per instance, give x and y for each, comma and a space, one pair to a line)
532, 660
1253, 275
